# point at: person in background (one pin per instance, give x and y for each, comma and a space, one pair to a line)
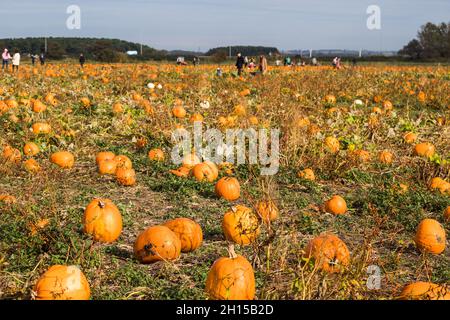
16, 61
262, 64
195, 61
335, 62
314, 61
354, 62
42, 59
219, 72
33, 59
5, 59
245, 61
240, 62
82, 60
338, 63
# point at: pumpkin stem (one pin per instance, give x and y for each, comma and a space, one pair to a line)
231, 251
101, 204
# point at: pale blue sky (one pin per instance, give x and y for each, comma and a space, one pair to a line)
193, 24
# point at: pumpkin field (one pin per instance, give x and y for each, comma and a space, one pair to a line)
359, 208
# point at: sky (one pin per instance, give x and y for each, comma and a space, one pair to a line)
204, 24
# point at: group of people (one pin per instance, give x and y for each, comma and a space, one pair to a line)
15, 59
244, 62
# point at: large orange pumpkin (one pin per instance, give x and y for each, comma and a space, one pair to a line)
62, 283
107, 167
425, 291
189, 232
126, 177
329, 253
63, 159
102, 220
157, 243
231, 279
228, 188
430, 236
240, 225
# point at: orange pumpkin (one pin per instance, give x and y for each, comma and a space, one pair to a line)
31, 149
104, 155
181, 172
410, 137
196, 117
361, 155
385, 157
267, 210
332, 144
307, 174
11, 154
329, 253
6, 198
228, 188
107, 167
240, 225
336, 205
63, 159
190, 160
430, 237
440, 184
157, 243
41, 128
330, 99
32, 165
205, 172
123, 162
189, 232
102, 220
447, 214
231, 278
424, 149
62, 283
156, 155
126, 177
387, 105
425, 291
179, 112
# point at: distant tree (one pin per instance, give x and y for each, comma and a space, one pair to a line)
219, 56
433, 42
55, 51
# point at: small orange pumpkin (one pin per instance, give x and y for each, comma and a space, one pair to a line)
410, 137
329, 253
424, 149
307, 174
204, 171
123, 162
156, 155
332, 144
385, 157
32, 166
336, 205
126, 177
267, 210
228, 188
425, 291
107, 167
41, 128
179, 112
157, 243
104, 155
31, 149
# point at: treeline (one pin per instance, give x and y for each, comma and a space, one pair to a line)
105, 50
245, 50
432, 43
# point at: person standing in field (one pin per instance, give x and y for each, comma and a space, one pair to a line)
16, 61
240, 62
33, 59
82, 60
262, 64
5, 59
42, 59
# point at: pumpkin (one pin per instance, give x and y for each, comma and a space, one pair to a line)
117, 107
336, 205
6, 198
329, 253
11, 154
385, 157
181, 172
156, 155
85, 101
307, 174
447, 214
332, 144
179, 112
38, 106
63, 159
361, 155
424, 149
204, 171
190, 160
240, 110
231, 278
253, 120
425, 291
41, 128
31, 165
126, 177
157, 243
410, 137
440, 184
228, 188
62, 283
330, 99
123, 162
387, 105
189, 232
196, 117
240, 225
31, 149
430, 237
104, 155
102, 220
267, 210
107, 167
